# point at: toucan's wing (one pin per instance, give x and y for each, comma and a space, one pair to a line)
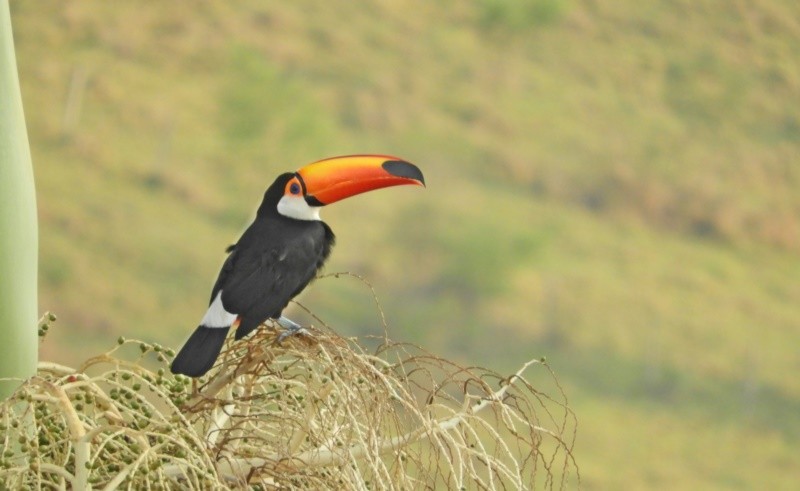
224, 272
261, 281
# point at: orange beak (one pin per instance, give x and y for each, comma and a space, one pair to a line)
330, 180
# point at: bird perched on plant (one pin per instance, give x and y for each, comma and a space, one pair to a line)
282, 250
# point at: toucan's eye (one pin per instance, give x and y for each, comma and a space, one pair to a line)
294, 188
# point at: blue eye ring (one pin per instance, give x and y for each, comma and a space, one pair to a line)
294, 188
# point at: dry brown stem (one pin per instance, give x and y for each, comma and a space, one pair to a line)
315, 412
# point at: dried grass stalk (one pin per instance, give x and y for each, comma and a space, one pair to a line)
313, 413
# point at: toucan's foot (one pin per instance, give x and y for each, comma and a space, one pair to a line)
291, 328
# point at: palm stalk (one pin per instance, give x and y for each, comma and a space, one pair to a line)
18, 232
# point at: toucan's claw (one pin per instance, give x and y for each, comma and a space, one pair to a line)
291, 328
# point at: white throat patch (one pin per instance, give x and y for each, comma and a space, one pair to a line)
297, 208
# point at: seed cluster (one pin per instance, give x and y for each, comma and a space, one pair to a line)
318, 412
114, 417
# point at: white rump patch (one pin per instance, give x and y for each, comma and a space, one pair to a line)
216, 315
297, 208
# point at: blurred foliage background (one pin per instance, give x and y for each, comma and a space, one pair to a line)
612, 185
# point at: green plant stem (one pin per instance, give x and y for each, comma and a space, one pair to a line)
18, 232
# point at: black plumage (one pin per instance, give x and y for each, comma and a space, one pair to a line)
283, 249
272, 262
200, 351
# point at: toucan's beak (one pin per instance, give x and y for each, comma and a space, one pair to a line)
331, 180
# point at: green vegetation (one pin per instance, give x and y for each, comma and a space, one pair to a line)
18, 235
612, 185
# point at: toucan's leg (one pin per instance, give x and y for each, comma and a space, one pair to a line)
290, 328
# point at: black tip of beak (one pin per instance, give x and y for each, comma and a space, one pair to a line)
401, 168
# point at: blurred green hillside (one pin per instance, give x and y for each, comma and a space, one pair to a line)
613, 185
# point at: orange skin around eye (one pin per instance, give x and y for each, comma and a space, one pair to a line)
288, 189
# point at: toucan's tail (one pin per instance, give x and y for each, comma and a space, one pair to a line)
200, 351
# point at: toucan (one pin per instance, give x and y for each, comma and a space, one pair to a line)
279, 254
